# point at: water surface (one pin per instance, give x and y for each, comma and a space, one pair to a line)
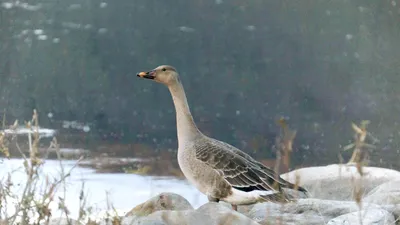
124, 190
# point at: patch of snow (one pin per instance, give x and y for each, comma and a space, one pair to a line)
75, 6
349, 36
125, 191
71, 25
28, 40
42, 37
102, 30
27, 6
43, 132
86, 128
7, 5
38, 31
24, 32
103, 4
88, 26
76, 125
56, 40
186, 29
250, 28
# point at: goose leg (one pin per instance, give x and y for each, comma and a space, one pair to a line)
234, 207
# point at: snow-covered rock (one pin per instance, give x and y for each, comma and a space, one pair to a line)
338, 182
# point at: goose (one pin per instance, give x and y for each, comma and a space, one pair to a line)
217, 169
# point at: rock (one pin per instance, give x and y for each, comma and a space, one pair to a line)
303, 211
337, 182
220, 214
163, 201
170, 218
384, 194
210, 213
394, 209
387, 195
368, 217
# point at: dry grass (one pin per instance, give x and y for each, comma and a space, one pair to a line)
33, 205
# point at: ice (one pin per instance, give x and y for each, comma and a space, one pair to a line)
124, 190
43, 132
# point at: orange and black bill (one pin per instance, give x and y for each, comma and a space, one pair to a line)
148, 75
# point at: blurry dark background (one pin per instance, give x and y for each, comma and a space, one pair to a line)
322, 64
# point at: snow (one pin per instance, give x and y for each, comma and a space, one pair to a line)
125, 191
42, 37
7, 5
76, 125
38, 31
340, 170
23, 5
103, 5
43, 132
102, 30
186, 29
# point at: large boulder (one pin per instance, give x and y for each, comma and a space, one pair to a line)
210, 213
163, 201
303, 211
365, 217
338, 182
386, 193
221, 214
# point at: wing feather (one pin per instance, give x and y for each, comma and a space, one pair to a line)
237, 168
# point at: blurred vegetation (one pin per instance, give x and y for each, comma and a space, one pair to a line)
322, 64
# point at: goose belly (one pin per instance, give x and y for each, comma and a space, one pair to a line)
197, 173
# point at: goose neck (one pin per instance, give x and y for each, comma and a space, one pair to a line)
186, 127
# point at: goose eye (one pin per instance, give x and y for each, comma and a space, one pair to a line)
163, 69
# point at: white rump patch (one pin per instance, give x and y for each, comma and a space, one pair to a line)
241, 197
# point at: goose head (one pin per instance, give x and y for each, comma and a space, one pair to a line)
164, 74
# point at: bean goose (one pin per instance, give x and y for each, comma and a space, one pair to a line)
217, 169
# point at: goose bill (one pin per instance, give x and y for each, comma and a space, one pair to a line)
147, 75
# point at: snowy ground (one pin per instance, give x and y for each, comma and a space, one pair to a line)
124, 190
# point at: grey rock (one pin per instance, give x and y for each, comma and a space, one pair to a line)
173, 218
135, 220
163, 201
368, 217
385, 194
210, 214
303, 211
394, 209
337, 181
221, 214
